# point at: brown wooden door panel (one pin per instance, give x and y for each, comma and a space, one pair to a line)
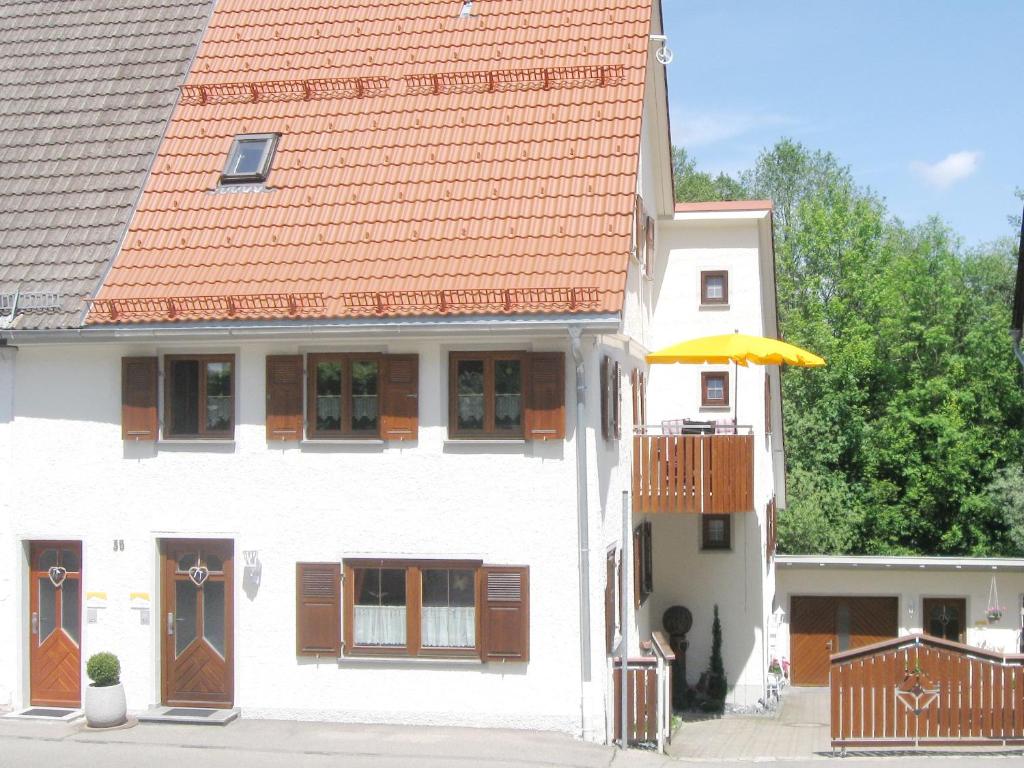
945, 617
812, 637
197, 654
821, 626
55, 623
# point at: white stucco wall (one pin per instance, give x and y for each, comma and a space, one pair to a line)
504, 504
911, 583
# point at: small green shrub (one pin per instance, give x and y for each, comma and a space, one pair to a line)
103, 669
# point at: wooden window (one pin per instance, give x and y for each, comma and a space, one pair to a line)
716, 532
199, 396
714, 287
643, 563
714, 388
435, 609
284, 397
344, 395
507, 395
771, 529
139, 398
767, 403
611, 399
317, 609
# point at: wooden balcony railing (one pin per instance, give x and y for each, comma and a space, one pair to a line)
696, 474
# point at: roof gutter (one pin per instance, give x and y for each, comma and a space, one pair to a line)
353, 327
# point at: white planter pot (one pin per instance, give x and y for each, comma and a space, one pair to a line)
105, 707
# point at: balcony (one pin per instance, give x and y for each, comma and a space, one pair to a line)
693, 473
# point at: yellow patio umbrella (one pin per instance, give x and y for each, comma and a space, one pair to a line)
736, 348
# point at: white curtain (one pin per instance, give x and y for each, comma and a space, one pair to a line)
445, 627
379, 625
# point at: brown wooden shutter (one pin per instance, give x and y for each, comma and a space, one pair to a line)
637, 560
317, 609
139, 398
616, 393
505, 615
400, 402
647, 582
767, 404
609, 602
284, 397
545, 396
606, 397
639, 227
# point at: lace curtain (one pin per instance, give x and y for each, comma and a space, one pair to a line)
445, 627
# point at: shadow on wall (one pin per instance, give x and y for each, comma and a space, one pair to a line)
698, 580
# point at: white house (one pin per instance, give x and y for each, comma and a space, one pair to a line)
341, 432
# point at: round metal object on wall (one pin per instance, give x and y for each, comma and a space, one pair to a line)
677, 620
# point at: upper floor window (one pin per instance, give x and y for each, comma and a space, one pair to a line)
714, 287
344, 395
486, 394
199, 400
716, 532
714, 388
249, 158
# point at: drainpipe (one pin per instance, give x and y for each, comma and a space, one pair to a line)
583, 523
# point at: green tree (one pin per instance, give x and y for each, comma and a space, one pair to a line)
692, 185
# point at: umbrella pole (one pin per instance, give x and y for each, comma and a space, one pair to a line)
735, 397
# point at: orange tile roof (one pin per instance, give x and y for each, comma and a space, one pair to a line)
427, 163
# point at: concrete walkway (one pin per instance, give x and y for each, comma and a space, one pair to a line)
799, 729
271, 743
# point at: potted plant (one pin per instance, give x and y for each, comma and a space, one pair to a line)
994, 613
105, 704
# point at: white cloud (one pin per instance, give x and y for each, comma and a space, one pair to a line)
949, 170
695, 130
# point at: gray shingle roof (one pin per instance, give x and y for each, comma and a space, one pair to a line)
86, 89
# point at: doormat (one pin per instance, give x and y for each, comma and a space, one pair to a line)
188, 712
47, 713
191, 715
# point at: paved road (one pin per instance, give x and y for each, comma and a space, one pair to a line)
268, 744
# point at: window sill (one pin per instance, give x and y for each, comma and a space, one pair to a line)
713, 307
485, 441
715, 408
343, 441
196, 441
426, 661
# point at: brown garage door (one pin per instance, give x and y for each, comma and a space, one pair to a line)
820, 626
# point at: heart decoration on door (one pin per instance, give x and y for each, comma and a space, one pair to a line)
57, 574
198, 574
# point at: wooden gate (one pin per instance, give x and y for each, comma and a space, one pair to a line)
924, 690
649, 696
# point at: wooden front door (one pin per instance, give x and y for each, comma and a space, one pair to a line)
821, 626
945, 617
197, 630
55, 623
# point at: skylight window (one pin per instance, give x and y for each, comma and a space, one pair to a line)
249, 158
467, 9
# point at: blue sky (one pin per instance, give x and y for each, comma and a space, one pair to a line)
924, 100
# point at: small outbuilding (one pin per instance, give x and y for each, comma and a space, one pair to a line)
828, 604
